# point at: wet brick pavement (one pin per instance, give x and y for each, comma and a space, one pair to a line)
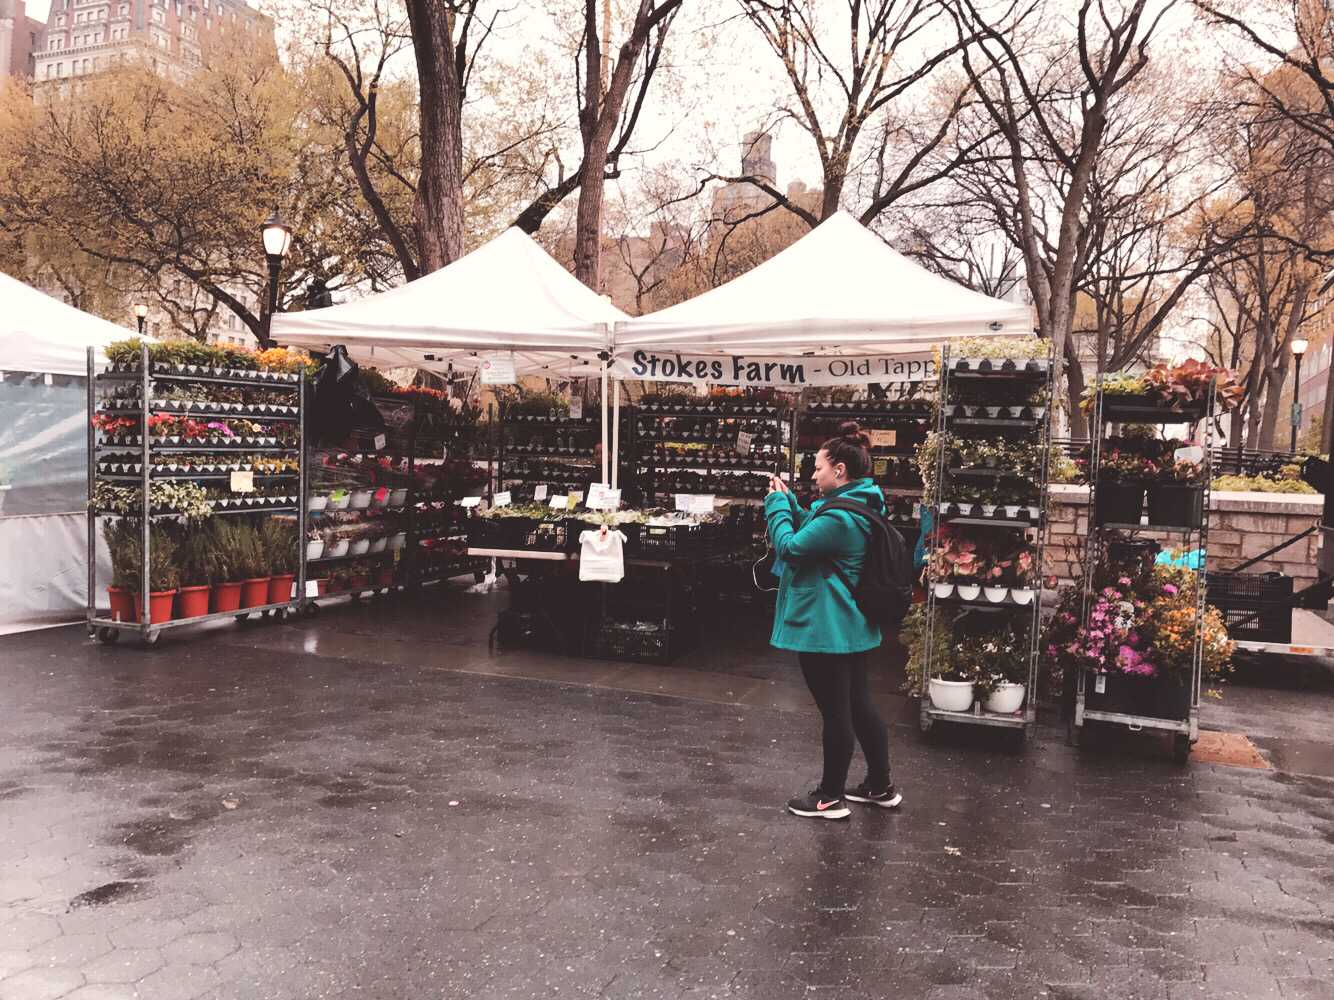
369, 804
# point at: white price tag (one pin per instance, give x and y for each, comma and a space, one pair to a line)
595, 492
607, 499
683, 502
576, 495
312, 588
540, 492
498, 369
470, 501
744, 439
560, 501
1100, 684
577, 407
884, 439
701, 505
1192, 454
501, 499
243, 482
379, 441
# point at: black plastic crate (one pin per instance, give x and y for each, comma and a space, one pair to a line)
1256, 606
576, 527
500, 532
663, 541
639, 642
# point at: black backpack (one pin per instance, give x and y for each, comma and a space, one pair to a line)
884, 591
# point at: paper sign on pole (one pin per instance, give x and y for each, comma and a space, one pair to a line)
540, 492
596, 491
683, 502
577, 407
560, 502
690, 503
243, 482
743, 442
501, 499
604, 499
498, 369
884, 439
312, 588
379, 442
470, 502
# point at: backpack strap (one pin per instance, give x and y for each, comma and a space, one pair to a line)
874, 518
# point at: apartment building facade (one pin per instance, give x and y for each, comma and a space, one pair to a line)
20, 36
172, 37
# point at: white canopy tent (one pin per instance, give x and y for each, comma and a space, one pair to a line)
508, 297
838, 289
43, 455
41, 334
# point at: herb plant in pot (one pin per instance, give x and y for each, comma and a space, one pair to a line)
122, 538
1120, 489
163, 578
197, 554
252, 565
278, 536
225, 539
1176, 497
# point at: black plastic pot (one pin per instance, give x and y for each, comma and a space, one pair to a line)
1119, 503
1173, 505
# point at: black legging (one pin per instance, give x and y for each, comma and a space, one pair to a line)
839, 683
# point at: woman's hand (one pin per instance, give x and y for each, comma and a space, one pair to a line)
776, 485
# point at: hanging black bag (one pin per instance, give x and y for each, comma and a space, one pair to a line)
341, 402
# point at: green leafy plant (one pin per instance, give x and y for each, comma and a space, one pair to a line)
197, 555
278, 536
1262, 484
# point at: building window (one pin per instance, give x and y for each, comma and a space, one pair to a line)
60, 69
85, 65
49, 68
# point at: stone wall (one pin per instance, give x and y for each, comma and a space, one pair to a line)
1241, 525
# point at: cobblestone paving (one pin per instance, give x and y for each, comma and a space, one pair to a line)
223, 819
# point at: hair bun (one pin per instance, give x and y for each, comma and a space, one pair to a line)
852, 432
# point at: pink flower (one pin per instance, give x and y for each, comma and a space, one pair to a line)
1169, 588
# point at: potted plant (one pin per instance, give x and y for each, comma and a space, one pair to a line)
252, 565
197, 555
955, 561
951, 688
314, 543
358, 576
163, 578
1119, 497
225, 594
123, 544
1002, 670
1176, 497
279, 539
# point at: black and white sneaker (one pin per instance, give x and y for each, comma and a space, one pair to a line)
818, 805
889, 799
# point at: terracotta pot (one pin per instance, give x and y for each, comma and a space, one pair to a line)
280, 588
225, 596
159, 605
359, 582
254, 592
322, 586
192, 602
122, 605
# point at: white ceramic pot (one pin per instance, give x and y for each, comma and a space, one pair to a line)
988, 510
320, 502
950, 696
340, 503
1022, 595
397, 541
378, 544
1006, 699
1012, 512
944, 590
361, 499
995, 594
336, 549
398, 497
314, 549
359, 547
969, 591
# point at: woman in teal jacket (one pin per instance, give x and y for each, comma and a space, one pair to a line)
818, 560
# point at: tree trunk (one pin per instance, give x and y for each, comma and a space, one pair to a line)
588, 218
1074, 380
438, 209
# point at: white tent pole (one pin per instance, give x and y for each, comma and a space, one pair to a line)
615, 431
604, 419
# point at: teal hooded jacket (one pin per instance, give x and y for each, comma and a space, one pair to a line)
816, 611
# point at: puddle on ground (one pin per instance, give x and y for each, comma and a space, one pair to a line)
104, 894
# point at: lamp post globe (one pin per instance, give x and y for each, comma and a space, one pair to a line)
277, 239
140, 314
1299, 345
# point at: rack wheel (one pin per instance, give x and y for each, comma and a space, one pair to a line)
243, 617
108, 636
151, 638
1181, 748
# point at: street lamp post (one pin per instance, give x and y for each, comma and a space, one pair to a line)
1298, 349
140, 313
277, 237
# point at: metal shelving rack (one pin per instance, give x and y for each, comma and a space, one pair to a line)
771, 454
139, 451
954, 422
572, 467
413, 570
1185, 731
